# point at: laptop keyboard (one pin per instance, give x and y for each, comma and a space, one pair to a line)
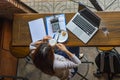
87, 28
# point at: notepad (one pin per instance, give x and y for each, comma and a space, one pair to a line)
46, 26
37, 29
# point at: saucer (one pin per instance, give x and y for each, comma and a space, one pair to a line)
61, 36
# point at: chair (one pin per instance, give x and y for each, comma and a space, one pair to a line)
104, 49
109, 73
84, 60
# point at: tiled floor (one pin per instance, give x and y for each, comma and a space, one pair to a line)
51, 6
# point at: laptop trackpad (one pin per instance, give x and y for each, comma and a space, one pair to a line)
81, 35
77, 31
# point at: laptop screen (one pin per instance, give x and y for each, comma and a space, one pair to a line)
90, 16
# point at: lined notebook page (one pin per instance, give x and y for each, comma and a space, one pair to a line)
37, 29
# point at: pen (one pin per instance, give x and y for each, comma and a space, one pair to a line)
58, 37
53, 36
59, 31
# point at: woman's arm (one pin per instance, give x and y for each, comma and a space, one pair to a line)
63, 48
62, 63
71, 55
35, 44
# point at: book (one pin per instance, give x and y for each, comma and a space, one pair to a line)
46, 26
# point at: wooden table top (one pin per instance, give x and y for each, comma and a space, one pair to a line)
21, 34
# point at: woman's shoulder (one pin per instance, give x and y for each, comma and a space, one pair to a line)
59, 57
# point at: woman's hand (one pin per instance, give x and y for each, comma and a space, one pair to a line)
38, 42
61, 47
46, 38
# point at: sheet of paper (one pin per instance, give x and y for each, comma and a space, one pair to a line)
61, 21
37, 29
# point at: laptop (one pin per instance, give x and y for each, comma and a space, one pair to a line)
84, 24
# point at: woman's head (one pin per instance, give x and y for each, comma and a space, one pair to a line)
43, 58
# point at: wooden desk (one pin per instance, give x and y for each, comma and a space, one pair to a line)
21, 35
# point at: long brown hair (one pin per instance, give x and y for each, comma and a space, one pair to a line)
43, 58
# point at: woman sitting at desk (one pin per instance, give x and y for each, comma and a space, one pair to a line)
54, 64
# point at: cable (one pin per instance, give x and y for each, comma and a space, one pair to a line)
81, 3
94, 2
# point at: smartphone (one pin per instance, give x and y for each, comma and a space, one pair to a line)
55, 24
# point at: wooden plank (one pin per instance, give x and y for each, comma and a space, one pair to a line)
7, 25
8, 63
1, 32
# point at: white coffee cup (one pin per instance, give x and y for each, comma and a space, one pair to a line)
52, 42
